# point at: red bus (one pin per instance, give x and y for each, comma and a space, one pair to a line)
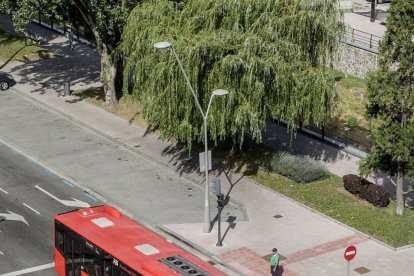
100, 241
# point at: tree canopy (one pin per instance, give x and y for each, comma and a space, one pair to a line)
391, 100
269, 54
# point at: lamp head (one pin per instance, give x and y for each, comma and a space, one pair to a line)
220, 92
162, 45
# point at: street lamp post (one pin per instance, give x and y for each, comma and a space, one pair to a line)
218, 92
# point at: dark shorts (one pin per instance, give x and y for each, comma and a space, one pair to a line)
273, 273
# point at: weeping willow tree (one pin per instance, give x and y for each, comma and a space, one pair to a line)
269, 54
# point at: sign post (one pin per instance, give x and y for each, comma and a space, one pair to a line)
349, 254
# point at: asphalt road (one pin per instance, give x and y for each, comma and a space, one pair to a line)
29, 198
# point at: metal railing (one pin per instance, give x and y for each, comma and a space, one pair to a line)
362, 39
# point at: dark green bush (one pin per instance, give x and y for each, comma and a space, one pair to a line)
374, 194
302, 169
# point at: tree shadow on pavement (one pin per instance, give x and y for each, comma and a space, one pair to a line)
226, 158
94, 93
277, 137
80, 68
181, 158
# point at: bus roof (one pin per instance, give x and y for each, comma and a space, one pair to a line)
129, 242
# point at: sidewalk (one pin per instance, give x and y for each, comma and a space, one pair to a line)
117, 155
359, 18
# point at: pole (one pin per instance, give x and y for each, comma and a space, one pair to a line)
372, 19
206, 228
348, 268
219, 242
348, 265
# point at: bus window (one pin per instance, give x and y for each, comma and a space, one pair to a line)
77, 257
69, 255
108, 260
92, 262
59, 241
73, 256
116, 271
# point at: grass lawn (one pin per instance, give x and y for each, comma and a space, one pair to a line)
351, 100
351, 103
15, 49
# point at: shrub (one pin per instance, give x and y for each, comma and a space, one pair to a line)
302, 169
352, 122
374, 194
352, 183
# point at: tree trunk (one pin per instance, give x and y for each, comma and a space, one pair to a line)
109, 64
400, 173
109, 75
400, 189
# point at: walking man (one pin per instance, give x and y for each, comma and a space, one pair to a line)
274, 262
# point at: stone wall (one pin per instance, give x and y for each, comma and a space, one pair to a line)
355, 61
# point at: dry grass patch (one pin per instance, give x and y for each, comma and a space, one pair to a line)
127, 107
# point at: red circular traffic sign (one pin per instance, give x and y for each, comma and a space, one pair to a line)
350, 252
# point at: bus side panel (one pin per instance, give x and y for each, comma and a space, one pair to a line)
59, 263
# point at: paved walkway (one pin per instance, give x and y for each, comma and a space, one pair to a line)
359, 18
257, 220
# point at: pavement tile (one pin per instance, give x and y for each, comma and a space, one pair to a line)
324, 248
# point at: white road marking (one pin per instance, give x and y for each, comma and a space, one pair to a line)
12, 216
1, 253
29, 270
74, 202
4, 191
31, 208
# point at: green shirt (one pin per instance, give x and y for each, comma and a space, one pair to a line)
274, 260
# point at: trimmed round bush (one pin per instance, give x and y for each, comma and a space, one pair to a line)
374, 194
302, 169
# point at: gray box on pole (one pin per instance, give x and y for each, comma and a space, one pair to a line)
66, 88
217, 186
201, 159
